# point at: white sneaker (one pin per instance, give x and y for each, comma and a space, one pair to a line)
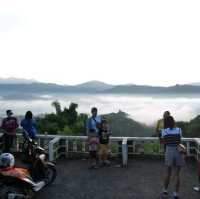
175, 195
197, 189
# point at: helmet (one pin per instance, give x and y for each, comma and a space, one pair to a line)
7, 160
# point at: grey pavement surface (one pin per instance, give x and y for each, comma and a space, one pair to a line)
141, 180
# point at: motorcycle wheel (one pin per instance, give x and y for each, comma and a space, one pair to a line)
6, 190
50, 173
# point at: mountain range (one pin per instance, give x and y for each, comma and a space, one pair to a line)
14, 80
14, 88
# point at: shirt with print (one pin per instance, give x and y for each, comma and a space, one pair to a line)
9, 125
92, 124
104, 136
171, 137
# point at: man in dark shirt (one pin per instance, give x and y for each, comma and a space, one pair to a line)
104, 137
9, 125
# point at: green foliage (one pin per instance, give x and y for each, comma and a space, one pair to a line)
122, 125
57, 106
150, 148
192, 128
66, 122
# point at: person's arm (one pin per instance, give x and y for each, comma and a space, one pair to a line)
157, 130
162, 135
88, 127
16, 123
180, 134
3, 125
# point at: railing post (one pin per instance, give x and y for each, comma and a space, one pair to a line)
17, 144
51, 148
188, 148
124, 152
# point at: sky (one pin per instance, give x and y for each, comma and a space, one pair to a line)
116, 41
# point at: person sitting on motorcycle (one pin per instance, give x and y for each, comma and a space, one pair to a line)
7, 161
7, 167
29, 125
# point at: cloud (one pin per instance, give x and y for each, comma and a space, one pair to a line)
12, 23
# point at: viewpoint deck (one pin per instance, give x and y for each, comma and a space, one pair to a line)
141, 180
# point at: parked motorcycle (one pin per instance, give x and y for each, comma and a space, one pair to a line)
23, 183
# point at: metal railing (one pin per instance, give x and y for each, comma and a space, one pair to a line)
122, 147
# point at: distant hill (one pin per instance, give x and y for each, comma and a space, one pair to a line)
122, 125
137, 89
95, 85
195, 84
13, 80
35, 89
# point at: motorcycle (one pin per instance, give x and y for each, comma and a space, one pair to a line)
23, 183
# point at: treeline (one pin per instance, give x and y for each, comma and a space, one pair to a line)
68, 121
191, 128
65, 121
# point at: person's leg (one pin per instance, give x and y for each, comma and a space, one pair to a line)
167, 177
11, 139
90, 158
168, 169
177, 179
197, 188
101, 153
198, 166
6, 144
95, 159
106, 155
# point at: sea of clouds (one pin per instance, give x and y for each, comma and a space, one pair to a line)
144, 109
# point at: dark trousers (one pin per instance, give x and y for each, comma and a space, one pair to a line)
8, 142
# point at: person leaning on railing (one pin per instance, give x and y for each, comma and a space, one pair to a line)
174, 154
29, 125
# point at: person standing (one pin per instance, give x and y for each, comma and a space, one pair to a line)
160, 123
29, 125
93, 126
197, 188
104, 137
171, 137
9, 126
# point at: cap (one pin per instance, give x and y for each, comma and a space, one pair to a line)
9, 112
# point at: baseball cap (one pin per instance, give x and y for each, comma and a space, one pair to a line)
9, 112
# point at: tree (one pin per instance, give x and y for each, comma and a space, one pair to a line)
57, 106
71, 114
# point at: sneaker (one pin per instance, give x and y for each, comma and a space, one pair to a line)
107, 162
93, 166
164, 194
197, 189
175, 196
